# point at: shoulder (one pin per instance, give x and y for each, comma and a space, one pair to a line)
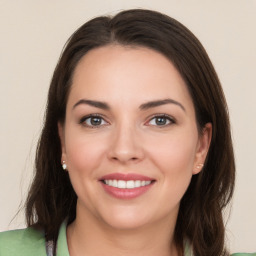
244, 254
22, 242
188, 251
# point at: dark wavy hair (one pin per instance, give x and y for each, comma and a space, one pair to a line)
51, 198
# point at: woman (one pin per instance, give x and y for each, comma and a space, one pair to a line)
135, 157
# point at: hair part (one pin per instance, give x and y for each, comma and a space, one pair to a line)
51, 198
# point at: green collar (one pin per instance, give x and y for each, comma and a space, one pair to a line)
62, 245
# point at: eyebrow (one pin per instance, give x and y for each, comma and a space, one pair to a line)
156, 103
144, 106
93, 103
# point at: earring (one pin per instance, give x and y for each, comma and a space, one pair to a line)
64, 165
199, 166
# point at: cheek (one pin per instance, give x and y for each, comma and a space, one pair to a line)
175, 155
174, 158
83, 152
84, 155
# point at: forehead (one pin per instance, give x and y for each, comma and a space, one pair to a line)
128, 74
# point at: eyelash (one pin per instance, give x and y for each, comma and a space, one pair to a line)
165, 116
83, 120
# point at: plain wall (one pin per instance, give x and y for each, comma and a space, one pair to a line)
32, 36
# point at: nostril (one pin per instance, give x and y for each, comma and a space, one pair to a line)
125, 158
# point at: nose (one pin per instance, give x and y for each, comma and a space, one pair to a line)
125, 146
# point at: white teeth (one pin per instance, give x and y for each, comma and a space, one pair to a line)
114, 183
130, 184
121, 184
137, 183
127, 184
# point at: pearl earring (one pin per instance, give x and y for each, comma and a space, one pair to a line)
64, 165
199, 166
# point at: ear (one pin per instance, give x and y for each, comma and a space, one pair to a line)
203, 146
61, 132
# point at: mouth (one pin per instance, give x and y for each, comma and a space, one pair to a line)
129, 184
126, 186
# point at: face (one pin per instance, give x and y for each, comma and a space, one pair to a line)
130, 138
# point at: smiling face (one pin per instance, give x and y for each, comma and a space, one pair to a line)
130, 138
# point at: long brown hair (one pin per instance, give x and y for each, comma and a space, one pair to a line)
51, 198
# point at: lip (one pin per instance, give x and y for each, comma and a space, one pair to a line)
125, 176
126, 193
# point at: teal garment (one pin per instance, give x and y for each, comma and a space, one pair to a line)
31, 242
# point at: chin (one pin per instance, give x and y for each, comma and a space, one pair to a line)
124, 223
125, 217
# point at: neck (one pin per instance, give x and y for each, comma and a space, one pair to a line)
89, 236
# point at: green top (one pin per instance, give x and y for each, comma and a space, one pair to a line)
31, 242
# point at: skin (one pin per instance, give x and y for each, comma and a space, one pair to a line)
129, 140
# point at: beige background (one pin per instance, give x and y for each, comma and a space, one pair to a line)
32, 36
